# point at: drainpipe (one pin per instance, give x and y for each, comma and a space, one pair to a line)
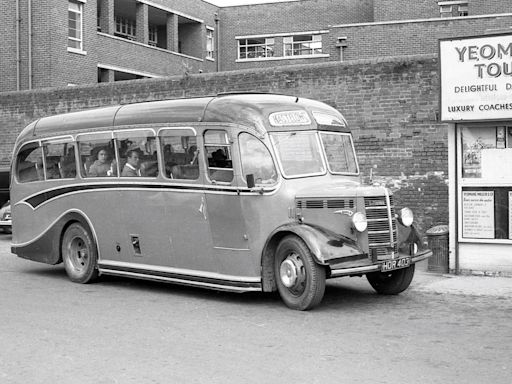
18, 22
29, 44
217, 42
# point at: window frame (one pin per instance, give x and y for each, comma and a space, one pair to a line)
243, 156
267, 45
210, 43
453, 8
95, 137
179, 131
354, 154
126, 134
302, 45
129, 25
229, 146
319, 146
80, 13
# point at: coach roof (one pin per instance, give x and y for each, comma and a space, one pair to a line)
244, 109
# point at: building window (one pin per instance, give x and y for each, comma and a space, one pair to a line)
453, 8
210, 44
255, 48
302, 45
153, 35
75, 15
462, 10
125, 28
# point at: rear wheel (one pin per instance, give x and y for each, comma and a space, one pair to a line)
300, 280
393, 282
79, 254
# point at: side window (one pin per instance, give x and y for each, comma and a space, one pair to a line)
137, 153
60, 160
97, 155
179, 153
218, 155
29, 163
256, 160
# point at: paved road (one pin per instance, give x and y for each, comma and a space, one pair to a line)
127, 331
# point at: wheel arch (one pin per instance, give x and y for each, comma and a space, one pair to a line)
323, 244
74, 217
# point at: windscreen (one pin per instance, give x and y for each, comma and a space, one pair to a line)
306, 153
339, 150
299, 153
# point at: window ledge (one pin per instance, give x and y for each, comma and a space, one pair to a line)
77, 51
324, 55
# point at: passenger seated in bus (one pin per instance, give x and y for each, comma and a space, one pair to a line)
192, 154
218, 159
131, 168
102, 166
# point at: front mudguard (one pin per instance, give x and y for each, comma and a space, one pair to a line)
324, 244
326, 247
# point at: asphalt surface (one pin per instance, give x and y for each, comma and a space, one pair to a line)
443, 329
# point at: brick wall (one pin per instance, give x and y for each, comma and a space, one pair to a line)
54, 66
391, 106
388, 10
285, 17
410, 38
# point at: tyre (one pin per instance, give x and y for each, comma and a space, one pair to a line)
300, 280
79, 254
393, 282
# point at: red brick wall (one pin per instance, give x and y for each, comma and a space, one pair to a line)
391, 106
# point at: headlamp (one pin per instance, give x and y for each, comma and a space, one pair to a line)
359, 221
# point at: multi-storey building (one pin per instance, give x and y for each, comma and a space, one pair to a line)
68, 42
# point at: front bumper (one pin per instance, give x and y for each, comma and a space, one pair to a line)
376, 267
5, 223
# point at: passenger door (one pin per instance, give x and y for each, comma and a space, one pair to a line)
185, 226
227, 224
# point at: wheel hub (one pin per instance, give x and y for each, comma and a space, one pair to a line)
292, 271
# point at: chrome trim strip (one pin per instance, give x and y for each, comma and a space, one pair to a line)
355, 270
421, 256
179, 281
390, 220
189, 272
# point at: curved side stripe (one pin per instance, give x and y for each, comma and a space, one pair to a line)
42, 197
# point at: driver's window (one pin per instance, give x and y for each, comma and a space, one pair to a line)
218, 155
256, 160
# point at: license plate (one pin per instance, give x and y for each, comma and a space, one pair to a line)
391, 265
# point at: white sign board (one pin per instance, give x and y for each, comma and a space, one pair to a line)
478, 214
476, 78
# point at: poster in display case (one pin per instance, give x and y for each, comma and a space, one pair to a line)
478, 214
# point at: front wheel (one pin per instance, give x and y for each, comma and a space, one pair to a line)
79, 254
300, 280
393, 282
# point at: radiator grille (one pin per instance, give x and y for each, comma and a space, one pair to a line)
325, 203
381, 226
